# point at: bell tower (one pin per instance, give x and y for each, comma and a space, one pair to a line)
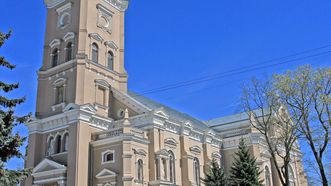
83, 52
83, 62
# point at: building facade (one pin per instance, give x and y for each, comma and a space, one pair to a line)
89, 130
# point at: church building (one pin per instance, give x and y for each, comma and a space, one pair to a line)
90, 130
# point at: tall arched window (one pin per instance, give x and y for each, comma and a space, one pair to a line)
291, 176
164, 164
65, 141
50, 146
95, 53
69, 52
140, 170
196, 168
172, 167
58, 144
55, 57
110, 60
267, 176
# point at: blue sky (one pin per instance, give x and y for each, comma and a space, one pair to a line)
173, 41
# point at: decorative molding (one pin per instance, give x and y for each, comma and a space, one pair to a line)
105, 173
120, 5
96, 37
171, 142
195, 150
105, 18
54, 43
64, 15
140, 152
68, 36
102, 83
53, 3
111, 45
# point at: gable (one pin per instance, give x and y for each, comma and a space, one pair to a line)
48, 165
105, 173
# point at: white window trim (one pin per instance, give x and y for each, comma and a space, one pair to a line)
102, 157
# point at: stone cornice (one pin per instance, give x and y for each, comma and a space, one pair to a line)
69, 116
120, 5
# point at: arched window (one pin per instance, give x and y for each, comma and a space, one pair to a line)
58, 144
110, 60
267, 176
69, 52
55, 57
196, 168
164, 163
65, 141
95, 53
50, 148
291, 176
172, 167
108, 157
59, 94
140, 170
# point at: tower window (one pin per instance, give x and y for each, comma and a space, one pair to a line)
108, 157
65, 142
50, 148
69, 52
58, 144
59, 94
95, 53
110, 60
55, 57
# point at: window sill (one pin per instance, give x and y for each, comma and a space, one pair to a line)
60, 105
107, 162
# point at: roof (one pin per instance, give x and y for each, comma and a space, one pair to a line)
173, 114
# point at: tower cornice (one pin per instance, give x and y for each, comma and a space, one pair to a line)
120, 5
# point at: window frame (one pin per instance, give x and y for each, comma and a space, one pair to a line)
196, 171
55, 57
69, 51
95, 53
110, 67
103, 157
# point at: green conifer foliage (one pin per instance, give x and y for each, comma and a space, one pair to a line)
9, 142
244, 171
215, 176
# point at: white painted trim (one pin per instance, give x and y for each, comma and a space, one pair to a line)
64, 8
54, 43
68, 36
110, 173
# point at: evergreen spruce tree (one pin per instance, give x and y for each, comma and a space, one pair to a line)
215, 176
9, 142
244, 171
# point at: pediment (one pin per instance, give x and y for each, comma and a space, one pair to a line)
163, 152
162, 112
140, 152
111, 44
88, 107
195, 150
216, 155
105, 173
68, 36
96, 36
48, 165
171, 141
54, 42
